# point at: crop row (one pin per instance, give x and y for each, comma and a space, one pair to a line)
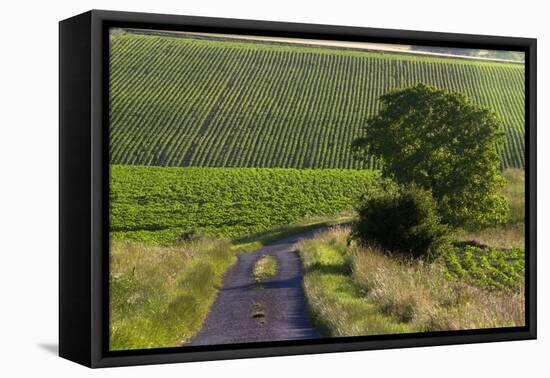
158, 204
488, 267
190, 102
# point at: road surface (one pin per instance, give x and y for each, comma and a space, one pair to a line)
273, 310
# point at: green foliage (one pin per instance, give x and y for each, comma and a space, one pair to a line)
190, 102
165, 204
487, 267
160, 296
444, 143
403, 220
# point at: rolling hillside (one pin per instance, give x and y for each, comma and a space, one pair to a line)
179, 101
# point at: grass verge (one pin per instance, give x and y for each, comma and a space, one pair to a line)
265, 267
420, 293
353, 291
160, 296
337, 304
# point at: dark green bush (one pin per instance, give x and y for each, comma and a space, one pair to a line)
403, 220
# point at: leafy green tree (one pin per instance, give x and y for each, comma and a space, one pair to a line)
444, 143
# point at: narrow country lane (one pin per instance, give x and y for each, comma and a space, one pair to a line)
273, 310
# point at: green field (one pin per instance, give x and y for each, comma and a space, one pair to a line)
159, 204
192, 102
489, 268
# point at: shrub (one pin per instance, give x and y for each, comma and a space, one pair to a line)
401, 220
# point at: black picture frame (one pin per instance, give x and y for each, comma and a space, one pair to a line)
83, 181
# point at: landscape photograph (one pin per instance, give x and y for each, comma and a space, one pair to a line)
267, 189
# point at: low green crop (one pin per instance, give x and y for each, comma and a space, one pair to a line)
158, 205
494, 269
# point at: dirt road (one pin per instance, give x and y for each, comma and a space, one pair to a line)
273, 310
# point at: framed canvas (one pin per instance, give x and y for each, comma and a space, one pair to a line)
234, 188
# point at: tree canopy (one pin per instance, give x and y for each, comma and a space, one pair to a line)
442, 142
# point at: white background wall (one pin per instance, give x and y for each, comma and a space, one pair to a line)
29, 186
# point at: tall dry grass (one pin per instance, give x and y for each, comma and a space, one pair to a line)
335, 301
354, 290
507, 236
514, 191
160, 296
419, 293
